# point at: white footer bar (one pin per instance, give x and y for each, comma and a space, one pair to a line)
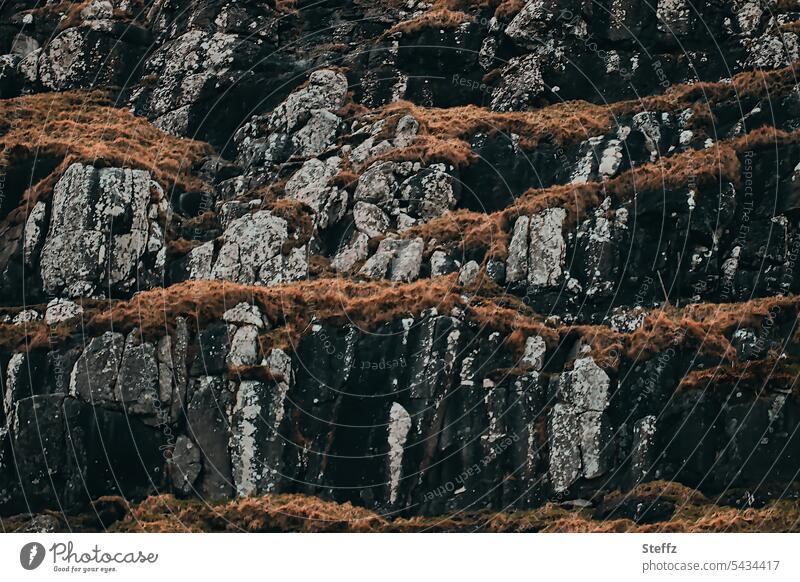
401, 557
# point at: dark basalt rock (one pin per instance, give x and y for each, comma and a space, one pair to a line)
584, 345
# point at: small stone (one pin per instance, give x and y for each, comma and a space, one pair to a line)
26, 316
535, 349
244, 314
244, 347
469, 274
59, 310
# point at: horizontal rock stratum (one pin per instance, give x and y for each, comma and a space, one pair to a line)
400, 266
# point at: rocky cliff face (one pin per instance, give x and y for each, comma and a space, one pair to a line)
421, 257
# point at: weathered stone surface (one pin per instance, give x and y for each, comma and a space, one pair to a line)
377, 184
247, 244
468, 275
642, 456
578, 426
395, 413
430, 192
59, 310
244, 347
325, 90
98, 230
244, 314
34, 233
184, 465
137, 384
397, 259
207, 425
370, 219
517, 262
525, 83
357, 250
441, 264
94, 375
547, 248
535, 349
399, 427
311, 185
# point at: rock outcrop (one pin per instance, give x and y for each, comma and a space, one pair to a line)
417, 258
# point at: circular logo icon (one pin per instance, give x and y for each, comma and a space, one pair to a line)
31, 555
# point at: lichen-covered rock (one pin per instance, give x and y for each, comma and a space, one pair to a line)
550, 157
248, 244
94, 375
137, 386
326, 90
244, 314
85, 56
468, 275
311, 185
350, 254
370, 219
537, 249
580, 442
184, 465
207, 423
59, 310
523, 83
397, 259
377, 185
99, 230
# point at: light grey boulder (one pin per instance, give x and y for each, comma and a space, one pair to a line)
59, 310
244, 314
579, 431
535, 349
377, 185
184, 465
353, 252
99, 230
244, 347
468, 274
311, 185
317, 135
326, 89
370, 219
441, 264
248, 244
398, 259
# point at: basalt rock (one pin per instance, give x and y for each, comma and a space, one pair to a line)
426, 261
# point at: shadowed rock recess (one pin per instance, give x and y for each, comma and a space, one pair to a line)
393, 265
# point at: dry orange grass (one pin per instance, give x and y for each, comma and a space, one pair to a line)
428, 149
443, 131
271, 513
705, 328
299, 513
744, 86
82, 127
562, 123
508, 9
490, 233
441, 18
